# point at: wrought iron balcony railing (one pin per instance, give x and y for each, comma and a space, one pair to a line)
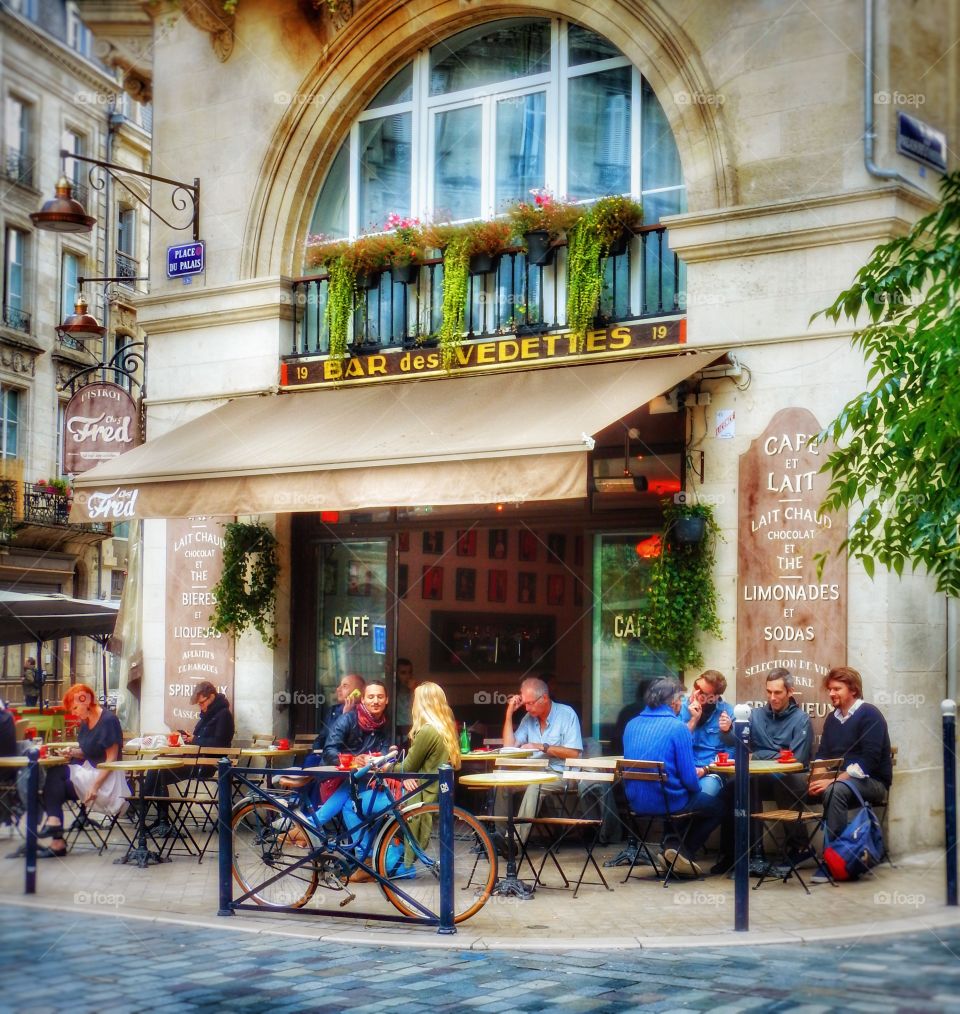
16, 318
127, 267
38, 505
646, 281
17, 167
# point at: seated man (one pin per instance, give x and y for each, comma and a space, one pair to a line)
214, 728
857, 732
709, 718
552, 729
362, 730
346, 702
656, 735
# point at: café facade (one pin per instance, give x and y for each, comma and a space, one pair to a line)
494, 518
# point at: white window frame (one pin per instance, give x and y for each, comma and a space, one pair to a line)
68, 284
127, 214
6, 391
14, 236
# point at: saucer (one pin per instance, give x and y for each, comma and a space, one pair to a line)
786, 760
723, 764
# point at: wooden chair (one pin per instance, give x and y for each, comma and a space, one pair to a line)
801, 816
677, 824
881, 809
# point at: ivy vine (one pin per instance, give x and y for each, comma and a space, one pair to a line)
586, 260
456, 262
246, 593
340, 295
682, 598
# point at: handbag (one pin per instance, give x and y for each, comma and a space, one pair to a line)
110, 798
859, 848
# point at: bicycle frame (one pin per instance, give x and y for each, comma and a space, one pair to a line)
341, 844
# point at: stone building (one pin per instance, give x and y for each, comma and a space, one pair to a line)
58, 96
461, 520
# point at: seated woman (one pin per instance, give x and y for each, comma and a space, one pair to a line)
101, 739
433, 741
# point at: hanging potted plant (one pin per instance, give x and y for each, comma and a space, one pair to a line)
682, 597
246, 594
368, 256
615, 220
405, 248
540, 223
486, 242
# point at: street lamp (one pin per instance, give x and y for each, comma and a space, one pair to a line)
63, 213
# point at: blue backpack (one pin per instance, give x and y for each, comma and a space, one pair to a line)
859, 848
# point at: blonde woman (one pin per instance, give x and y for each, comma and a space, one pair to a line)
433, 741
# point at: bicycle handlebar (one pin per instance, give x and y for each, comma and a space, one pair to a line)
376, 762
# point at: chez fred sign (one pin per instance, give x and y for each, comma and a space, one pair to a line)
100, 422
508, 352
185, 259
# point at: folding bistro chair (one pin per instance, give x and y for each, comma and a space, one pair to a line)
799, 816
881, 811
560, 829
676, 824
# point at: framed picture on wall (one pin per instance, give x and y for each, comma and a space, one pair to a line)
555, 589
526, 587
528, 546
467, 542
433, 542
556, 547
466, 587
432, 583
403, 542
497, 544
497, 586
402, 580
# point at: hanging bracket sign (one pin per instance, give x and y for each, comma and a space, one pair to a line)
185, 259
100, 422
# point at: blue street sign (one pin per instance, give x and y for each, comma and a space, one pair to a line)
379, 639
921, 142
185, 259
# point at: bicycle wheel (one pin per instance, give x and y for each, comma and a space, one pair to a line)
261, 850
474, 861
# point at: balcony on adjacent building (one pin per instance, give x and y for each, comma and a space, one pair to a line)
127, 267
15, 318
18, 167
38, 515
647, 281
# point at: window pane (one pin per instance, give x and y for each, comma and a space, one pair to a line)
330, 216
68, 295
125, 229
584, 46
661, 161
398, 89
11, 412
666, 202
13, 296
501, 51
384, 169
457, 164
521, 132
598, 134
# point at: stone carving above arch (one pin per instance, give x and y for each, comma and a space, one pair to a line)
209, 16
381, 36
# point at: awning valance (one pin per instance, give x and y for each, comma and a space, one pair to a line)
488, 439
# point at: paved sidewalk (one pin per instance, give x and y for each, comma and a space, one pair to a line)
87, 964
638, 914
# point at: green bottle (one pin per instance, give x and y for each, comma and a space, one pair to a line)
464, 739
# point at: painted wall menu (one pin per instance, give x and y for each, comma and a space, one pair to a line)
788, 616
194, 650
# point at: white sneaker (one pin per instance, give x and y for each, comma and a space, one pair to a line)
821, 876
681, 864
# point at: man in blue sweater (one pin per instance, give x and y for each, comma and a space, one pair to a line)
857, 732
710, 719
656, 735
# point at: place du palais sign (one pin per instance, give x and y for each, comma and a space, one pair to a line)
509, 352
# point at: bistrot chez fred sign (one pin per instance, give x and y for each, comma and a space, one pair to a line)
503, 352
100, 422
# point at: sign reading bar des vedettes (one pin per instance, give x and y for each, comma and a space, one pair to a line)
185, 259
100, 422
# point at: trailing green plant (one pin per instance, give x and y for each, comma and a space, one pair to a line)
614, 215
456, 269
682, 597
246, 594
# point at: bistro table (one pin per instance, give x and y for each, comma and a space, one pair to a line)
21, 761
511, 781
138, 851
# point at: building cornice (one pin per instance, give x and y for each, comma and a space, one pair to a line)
871, 215
213, 306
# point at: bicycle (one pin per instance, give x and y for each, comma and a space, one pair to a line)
276, 872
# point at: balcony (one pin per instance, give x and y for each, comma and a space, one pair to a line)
127, 267
645, 282
18, 168
14, 317
36, 516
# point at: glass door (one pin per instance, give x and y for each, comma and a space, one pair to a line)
353, 629
623, 666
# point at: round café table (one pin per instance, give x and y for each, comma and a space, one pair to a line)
140, 853
511, 781
21, 761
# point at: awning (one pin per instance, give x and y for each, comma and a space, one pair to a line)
495, 438
28, 617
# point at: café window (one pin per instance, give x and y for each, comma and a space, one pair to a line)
474, 123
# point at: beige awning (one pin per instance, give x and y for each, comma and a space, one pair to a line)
488, 439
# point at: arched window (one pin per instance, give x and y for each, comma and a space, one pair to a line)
475, 122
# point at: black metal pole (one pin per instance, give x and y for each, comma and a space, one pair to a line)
446, 850
741, 819
40, 679
33, 790
225, 844
948, 709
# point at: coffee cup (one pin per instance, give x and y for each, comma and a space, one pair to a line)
283, 744
173, 739
346, 759
43, 750
786, 755
723, 757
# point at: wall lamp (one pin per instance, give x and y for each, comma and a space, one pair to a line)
63, 213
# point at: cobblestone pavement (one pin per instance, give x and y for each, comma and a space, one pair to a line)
53, 961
